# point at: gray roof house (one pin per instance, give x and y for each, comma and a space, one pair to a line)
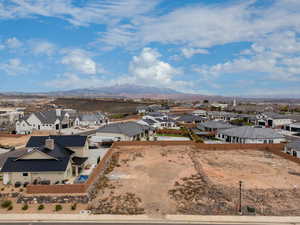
248, 135
124, 131
90, 119
189, 118
214, 125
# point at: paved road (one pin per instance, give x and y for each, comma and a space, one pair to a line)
117, 223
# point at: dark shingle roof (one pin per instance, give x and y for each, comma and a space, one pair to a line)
35, 165
79, 160
60, 157
128, 128
149, 121
189, 118
11, 154
63, 140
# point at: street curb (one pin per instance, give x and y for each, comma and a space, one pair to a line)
169, 219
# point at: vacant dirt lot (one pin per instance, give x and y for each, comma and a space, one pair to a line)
257, 169
20, 140
149, 172
159, 180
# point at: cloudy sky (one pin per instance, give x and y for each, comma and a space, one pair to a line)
226, 47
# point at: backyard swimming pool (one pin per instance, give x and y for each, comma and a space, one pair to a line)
81, 179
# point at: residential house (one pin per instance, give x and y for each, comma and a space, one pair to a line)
91, 119
219, 105
152, 108
294, 127
48, 120
125, 131
189, 118
48, 159
293, 148
159, 121
250, 135
200, 112
274, 120
10, 115
213, 126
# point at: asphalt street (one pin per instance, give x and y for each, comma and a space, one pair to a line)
91, 223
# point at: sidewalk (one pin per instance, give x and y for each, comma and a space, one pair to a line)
171, 219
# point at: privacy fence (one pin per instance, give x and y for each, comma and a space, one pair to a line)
104, 163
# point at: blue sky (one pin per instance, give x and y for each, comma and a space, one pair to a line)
228, 47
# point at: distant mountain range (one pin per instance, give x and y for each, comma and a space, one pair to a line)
140, 91
118, 90
130, 91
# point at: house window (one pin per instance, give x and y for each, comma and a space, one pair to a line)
25, 174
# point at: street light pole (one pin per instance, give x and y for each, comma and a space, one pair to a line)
240, 202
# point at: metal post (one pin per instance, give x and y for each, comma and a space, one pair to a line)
240, 202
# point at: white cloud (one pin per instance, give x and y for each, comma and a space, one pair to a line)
98, 12
42, 47
14, 67
13, 43
274, 56
204, 26
80, 60
189, 52
147, 67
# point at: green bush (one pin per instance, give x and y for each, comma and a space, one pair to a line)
58, 207
10, 208
41, 207
6, 204
25, 207
73, 207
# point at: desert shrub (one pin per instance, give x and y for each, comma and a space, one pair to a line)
6, 204
41, 207
58, 207
73, 207
10, 207
25, 207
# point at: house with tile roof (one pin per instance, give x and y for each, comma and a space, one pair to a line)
46, 159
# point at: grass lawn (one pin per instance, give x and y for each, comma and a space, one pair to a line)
172, 135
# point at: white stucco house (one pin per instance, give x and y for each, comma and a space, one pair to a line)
274, 120
47, 120
159, 121
91, 119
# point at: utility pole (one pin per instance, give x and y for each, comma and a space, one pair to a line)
240, 202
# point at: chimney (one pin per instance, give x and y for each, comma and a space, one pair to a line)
58, 112
49, 143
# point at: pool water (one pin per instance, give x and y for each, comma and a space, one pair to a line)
82, 178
